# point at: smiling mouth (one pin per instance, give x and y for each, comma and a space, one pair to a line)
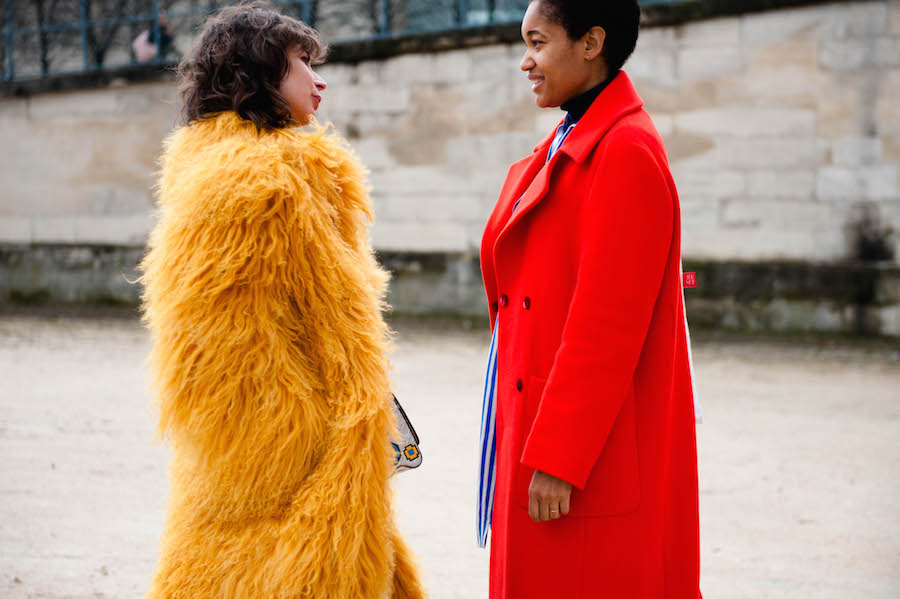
536, 82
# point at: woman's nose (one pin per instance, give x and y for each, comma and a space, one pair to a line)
320, 83
527, 63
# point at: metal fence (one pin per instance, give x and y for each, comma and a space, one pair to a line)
46, 38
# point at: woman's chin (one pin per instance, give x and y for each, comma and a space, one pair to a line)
304, 119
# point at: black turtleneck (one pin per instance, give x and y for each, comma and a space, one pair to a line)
577, 106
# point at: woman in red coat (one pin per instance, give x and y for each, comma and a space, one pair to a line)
589, 398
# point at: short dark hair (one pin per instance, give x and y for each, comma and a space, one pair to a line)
621, 20
238, 63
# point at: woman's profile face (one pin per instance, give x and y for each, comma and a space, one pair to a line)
556, 65
301, 86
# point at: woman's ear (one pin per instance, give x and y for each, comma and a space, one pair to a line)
594, 40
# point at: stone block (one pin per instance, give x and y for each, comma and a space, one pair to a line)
454, 66
860, 20
708, 63
653, 65
337, 74
699, 215
374, 152
370, 73
773, 27
869, 183
420, 179
127, 231
856, 151
881, 182
704, 183
887, 108
889, 317
848, 55
494, 63
418, 237
13, 110
839, 183
802, 54
15, 229
776, 215
773, 183
546, 121
476, 152
753, 244
710, 33
53, 230
409, 68
842, 110
73, 106
665, 123
784, 153
748, 121
370, 98
894, 17
888, 291
456, 208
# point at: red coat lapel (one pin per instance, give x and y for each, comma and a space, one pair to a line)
616, 101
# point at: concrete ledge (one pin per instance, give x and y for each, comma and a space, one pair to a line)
353, 51
858, 299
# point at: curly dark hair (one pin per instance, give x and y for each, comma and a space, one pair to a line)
620, 19
239, 61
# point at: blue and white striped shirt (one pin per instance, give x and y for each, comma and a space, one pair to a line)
488, 439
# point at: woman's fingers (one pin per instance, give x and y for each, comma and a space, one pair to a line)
548, 497
534, 509
554, 510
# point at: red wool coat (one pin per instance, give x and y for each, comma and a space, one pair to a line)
594, 382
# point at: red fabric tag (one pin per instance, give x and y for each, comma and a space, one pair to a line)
690, 279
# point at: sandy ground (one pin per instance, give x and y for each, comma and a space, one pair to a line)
799, 463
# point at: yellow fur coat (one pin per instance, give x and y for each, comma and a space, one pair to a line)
264, 302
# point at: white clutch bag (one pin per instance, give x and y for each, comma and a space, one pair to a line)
406, 447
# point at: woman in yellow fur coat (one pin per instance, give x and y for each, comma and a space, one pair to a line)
264, 302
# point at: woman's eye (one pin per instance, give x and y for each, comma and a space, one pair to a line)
537, 43
305, 58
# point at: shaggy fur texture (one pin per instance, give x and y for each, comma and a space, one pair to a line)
264, 301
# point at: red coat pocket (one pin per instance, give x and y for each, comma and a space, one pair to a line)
613, 488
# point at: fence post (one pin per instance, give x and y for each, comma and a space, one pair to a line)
462, 15
492, 10
304, 11
157, 32
10, 14
385, 16
85, 61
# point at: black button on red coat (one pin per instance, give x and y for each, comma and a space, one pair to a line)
519, 385
504, 301
527, 303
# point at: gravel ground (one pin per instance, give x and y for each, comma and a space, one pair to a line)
799, 462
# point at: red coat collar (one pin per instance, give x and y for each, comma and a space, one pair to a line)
617, 100
529, 179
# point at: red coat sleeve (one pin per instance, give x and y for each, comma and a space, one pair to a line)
625, 242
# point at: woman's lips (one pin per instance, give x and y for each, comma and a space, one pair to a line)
318, 100
535, 82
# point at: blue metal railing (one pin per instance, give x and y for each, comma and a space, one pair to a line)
80, 20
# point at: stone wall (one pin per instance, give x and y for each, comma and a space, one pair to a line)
783, 129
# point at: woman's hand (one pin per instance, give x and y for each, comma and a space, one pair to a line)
548, 497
